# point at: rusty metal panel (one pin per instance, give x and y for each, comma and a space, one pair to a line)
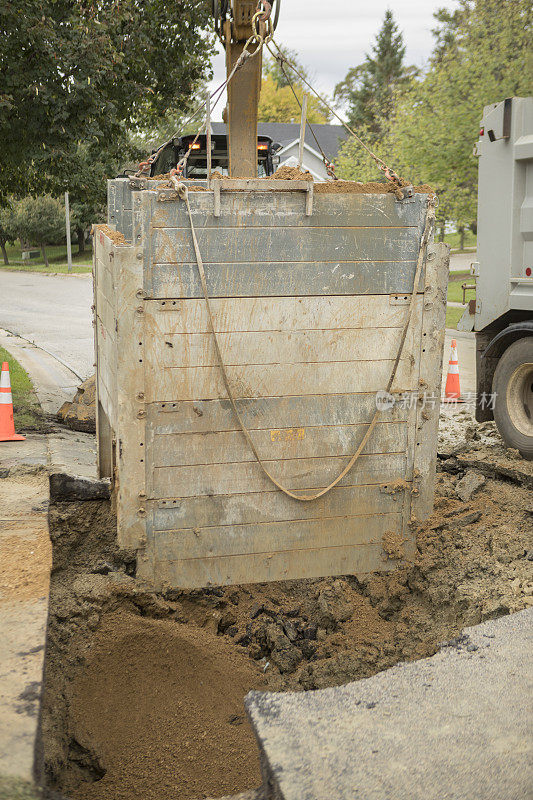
309, 312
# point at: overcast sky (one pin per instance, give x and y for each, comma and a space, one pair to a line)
331, 36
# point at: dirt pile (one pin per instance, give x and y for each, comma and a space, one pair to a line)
160, 704
286, 173
355, 187
80, 413
343, 187
24, 542
144, 691
116, 237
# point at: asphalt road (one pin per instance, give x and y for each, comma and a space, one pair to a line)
54, 312
457, 725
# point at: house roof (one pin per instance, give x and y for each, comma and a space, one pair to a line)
329, 136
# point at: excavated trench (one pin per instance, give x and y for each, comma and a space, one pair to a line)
144, 692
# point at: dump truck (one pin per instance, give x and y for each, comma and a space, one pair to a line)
502, 313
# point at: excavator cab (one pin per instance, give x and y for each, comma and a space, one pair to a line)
196, 164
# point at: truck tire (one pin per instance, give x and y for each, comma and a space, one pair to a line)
513, 389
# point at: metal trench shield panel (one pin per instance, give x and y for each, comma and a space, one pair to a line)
309, 312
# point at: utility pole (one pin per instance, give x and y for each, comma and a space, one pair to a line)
67, 222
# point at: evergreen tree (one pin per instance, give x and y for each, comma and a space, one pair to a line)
482, 55
368, 89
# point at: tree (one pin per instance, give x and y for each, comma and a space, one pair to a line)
76, 71
40, 221
368, 90
485, 60
277, 102
281, 73
481, 56
280, 104
8, 232
84, 173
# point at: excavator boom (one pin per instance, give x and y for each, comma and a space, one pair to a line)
233, 23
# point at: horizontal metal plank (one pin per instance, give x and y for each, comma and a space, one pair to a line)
263, 567
277, 347
224, 447
275, 209
266, 413
264, 246
281, 279
273, 537
280, 314
239, 509
300, 473
271, 380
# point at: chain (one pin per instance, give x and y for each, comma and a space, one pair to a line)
389, 173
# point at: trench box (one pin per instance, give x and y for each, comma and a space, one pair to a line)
310, 292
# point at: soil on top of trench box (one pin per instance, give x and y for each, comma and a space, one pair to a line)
144, 691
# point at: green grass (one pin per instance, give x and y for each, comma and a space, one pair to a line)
453, 239
27, 411
57, 259
453, 315
455, 293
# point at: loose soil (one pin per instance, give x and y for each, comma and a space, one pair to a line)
327, 187
116, 237
24, 541
343, 187
144, 692
143, 675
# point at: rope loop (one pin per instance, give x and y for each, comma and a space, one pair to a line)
295, 495
260, 38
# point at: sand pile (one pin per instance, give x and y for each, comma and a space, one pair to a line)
160, 706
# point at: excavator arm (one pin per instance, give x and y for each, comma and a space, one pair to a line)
233, 24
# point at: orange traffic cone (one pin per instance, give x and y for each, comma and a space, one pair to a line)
7, 424
452, 391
